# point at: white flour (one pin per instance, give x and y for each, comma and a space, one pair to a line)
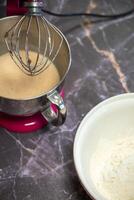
112, 169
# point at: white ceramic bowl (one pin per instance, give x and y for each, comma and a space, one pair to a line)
109, 120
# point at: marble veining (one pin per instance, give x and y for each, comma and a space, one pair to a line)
40, 165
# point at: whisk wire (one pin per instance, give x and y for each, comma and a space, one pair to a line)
39, 42
60, 44
28, 60
12, 43
18, 34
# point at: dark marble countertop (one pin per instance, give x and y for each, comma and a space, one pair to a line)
39, 166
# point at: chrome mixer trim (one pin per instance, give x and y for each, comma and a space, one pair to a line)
34, 7
38, 4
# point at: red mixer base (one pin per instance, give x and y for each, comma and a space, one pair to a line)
21, 124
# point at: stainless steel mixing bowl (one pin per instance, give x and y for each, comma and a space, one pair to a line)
42, 103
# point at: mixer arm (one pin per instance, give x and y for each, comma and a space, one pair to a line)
55, 116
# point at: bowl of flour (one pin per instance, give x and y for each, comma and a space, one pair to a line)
104, 149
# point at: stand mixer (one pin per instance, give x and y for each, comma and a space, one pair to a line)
32, 115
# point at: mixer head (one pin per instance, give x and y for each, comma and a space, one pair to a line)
33, 33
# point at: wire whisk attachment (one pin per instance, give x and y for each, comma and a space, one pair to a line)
33, 42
